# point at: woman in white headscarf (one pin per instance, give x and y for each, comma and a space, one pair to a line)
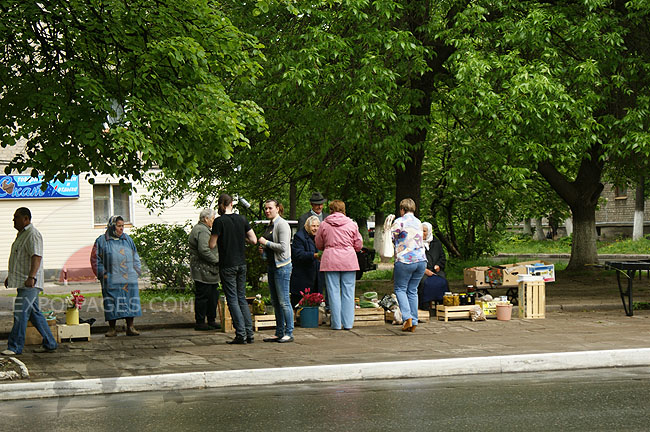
434, 282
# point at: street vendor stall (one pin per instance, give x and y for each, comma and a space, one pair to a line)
627, 269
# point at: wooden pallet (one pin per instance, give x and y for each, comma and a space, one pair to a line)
80, 331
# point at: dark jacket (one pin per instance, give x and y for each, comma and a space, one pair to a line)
303, 218
436, 256
305, 272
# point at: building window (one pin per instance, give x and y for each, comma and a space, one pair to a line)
109, 200
620, 192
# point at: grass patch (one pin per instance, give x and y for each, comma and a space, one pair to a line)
625, 246
378, 275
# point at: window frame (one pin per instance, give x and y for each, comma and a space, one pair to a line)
111, 204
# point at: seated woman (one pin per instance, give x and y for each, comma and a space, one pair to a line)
434, 283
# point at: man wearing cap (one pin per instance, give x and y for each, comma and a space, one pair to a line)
316, 200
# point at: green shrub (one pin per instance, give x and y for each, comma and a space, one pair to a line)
165, 251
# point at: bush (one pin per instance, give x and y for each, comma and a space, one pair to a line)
165, 251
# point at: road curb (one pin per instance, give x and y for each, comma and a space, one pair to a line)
331, 373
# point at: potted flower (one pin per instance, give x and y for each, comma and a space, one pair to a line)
73, 303
309, 304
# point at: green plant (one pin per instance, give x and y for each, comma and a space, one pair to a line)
165, 251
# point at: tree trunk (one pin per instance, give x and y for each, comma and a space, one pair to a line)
380, 217
639, 210
582, 196
539, 230
363, 229
293, 199
583, 246
408, 181
528, 228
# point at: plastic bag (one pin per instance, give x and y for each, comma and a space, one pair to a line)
387, 250
476, 313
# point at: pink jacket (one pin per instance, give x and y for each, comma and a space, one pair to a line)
338, 237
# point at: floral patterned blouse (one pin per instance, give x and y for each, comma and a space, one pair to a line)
407, 236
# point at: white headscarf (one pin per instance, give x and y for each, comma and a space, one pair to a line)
429, 238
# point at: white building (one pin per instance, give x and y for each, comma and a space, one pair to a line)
70, 225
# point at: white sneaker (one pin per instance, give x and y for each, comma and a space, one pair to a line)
8, 352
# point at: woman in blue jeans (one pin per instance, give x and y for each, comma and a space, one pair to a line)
277, 246
410, 262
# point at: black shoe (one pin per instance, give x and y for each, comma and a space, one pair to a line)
271, 339
250, 339
203, 327
215, 325
237, 341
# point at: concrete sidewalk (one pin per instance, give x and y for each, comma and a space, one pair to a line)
577, 333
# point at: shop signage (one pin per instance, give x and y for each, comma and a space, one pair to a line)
26, 187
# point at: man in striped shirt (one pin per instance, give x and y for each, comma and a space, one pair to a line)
26, 275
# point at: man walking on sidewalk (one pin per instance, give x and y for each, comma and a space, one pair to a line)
26, 275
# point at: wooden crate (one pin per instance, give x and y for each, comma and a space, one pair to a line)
263, 321
80, 331
368, 317
446, 312
532, 299
33, 337
423, 316
224, 316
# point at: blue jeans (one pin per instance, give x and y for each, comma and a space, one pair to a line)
407, 278
279, 279
340, 294
233, 282
26, 309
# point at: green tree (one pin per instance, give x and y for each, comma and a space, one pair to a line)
561, 88
120, 87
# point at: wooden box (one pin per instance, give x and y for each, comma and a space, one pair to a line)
446, 312
364, 317
423, 316
532, 299
263, 321
80, 331
33, 337
224, 316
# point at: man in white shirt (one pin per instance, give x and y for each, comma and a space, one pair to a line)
26, 275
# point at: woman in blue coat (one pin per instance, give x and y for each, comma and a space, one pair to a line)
116, 263
305, 260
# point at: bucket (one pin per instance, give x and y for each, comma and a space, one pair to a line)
309, 317
504, 312
72, 316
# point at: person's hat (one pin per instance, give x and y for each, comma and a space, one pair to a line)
317, 198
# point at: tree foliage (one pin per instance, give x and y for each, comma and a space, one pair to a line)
164, 73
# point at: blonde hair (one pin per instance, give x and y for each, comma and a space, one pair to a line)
408, 205
337, 206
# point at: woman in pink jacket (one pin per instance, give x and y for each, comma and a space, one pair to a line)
339, 239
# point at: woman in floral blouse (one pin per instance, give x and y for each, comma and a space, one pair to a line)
410, 262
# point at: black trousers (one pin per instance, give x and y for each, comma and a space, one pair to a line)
205, 302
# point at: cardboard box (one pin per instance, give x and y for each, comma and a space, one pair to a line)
33, 337
545, 270
489, 308
506, 274
475, 276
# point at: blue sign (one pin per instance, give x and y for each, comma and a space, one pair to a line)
25, 187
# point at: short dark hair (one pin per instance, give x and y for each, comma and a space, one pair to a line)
24, 212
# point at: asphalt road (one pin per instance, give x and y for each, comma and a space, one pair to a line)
596, 400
